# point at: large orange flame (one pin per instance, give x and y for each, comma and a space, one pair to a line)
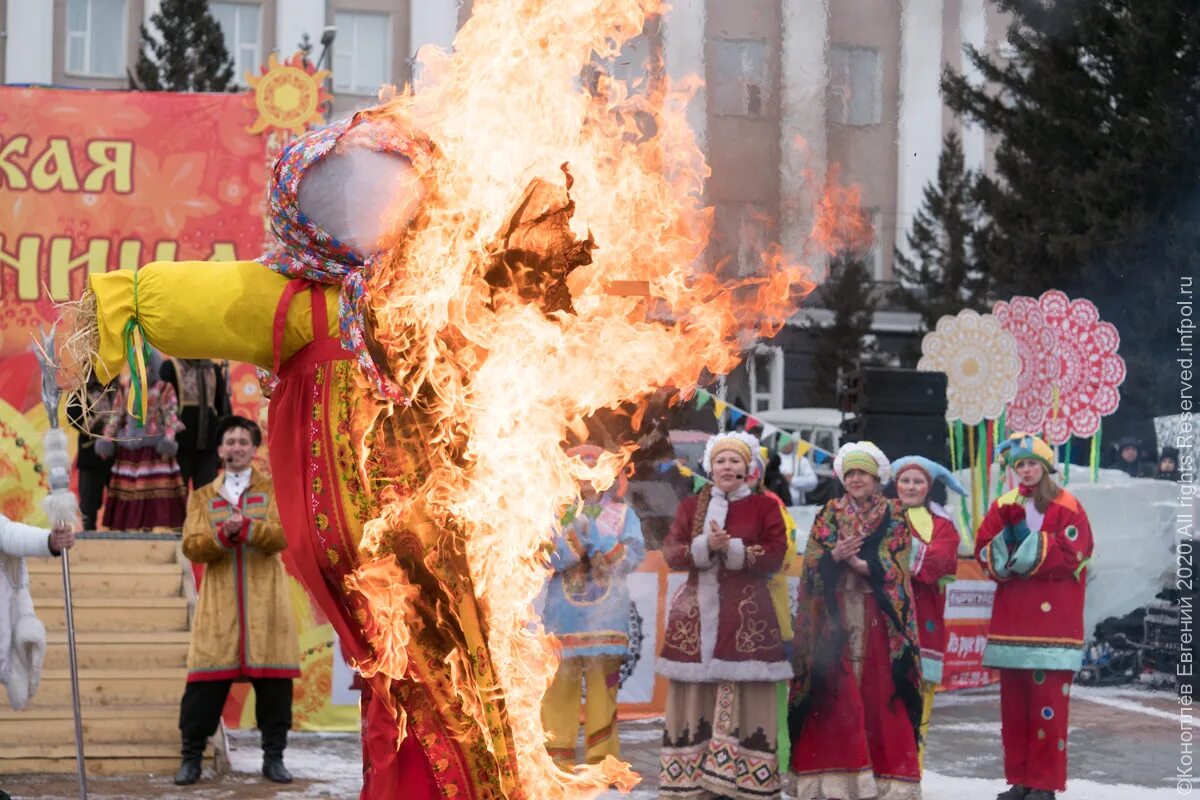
499, 382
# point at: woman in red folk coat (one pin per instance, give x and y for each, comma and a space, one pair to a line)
855, 706
934, 561
1035, 542
723, 653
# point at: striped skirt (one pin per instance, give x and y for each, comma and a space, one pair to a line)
146, 491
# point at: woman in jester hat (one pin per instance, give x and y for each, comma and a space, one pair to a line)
300, 312
855, 707
1036, 543
934, 561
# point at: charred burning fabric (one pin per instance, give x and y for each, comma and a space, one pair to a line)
437, 330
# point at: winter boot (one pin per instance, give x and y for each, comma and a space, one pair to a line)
188, 772
190, 766
1014, 793
275, 771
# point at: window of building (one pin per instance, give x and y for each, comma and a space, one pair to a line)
240, 26
362, 52
96, 38
765, 368
741, 82
854, 96
741, 238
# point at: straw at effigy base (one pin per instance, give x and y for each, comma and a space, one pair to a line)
79, 324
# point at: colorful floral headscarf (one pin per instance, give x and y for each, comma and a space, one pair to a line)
307, 251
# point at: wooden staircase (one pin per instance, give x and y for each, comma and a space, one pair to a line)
132, 631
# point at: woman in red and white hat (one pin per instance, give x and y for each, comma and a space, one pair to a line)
723, 652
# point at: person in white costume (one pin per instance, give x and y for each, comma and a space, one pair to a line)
22, 635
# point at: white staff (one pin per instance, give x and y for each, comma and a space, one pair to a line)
62, 508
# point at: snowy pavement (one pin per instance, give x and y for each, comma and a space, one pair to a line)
1125, 745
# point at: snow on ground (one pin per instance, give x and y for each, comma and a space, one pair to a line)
333, 761
940, 787
1127, 701
967, 736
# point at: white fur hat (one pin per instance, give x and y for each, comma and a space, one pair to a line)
735, 440
860, 449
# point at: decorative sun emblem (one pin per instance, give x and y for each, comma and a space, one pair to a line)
289, 96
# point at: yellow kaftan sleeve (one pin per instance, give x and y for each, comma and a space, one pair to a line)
200, 543
201, 309
267, 535
777, 584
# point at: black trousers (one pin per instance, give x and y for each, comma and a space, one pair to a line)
198, 466
203, 701
92, 483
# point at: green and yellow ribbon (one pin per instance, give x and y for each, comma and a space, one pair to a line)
137, 353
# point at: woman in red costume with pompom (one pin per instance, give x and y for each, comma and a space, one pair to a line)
1035, 542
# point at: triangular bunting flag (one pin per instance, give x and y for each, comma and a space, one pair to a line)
719, 407
685, 471
802, 448
820, 456
752, 423
698, 483
785, 439
734, 416
702, 398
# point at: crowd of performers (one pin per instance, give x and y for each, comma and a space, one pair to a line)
855, 675
860, 661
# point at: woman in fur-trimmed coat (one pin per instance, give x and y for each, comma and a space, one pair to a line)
723, 653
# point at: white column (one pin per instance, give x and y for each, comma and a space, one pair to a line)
920, 125
293, 19
973, 24
30, 45
803, 146
432, 22
683, 52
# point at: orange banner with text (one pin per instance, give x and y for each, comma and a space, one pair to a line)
92, 181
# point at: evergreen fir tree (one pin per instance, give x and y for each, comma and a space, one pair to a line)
940, 272
847, 293
185, 53
1097, 166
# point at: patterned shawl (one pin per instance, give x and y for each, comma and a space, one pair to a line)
821, 635
305, 250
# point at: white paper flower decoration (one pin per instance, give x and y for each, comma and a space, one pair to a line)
980, 361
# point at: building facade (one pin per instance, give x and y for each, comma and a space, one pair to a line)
94, 43
792, 88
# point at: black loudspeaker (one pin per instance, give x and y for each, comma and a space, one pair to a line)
901, 434
879, 390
